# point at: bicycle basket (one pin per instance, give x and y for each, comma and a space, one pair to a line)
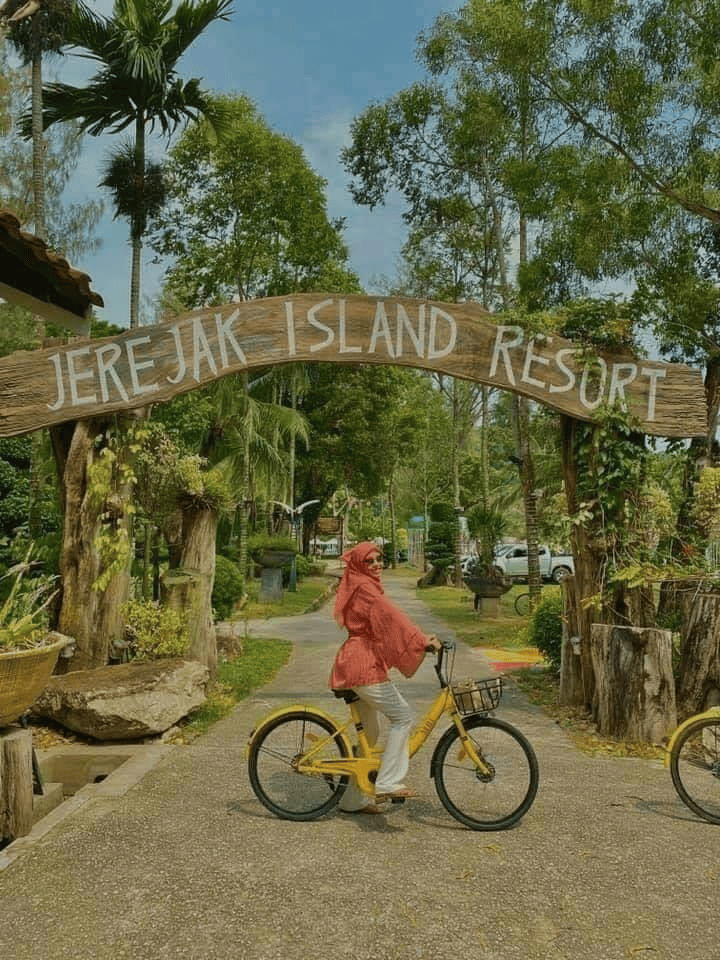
476, 696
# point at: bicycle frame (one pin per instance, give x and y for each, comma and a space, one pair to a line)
367, 759
710, 712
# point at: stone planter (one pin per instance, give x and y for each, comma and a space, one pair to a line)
276, 558
24, 674
488, 587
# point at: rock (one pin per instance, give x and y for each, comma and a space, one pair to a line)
124, 702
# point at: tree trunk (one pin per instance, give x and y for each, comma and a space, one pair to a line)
636, 691
527, 479
573, 669
699, 669
190, 588
92, 618
38, 141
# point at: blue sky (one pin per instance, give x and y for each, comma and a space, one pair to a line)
310, 68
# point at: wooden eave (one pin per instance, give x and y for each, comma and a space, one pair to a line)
33, 277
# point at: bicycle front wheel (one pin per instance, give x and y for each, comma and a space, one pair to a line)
494, 799
695, 767
272, 760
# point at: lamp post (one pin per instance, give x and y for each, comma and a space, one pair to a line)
295, 516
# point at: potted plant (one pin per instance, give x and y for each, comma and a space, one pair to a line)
481, 575
28, 650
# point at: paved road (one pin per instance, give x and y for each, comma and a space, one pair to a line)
607, 865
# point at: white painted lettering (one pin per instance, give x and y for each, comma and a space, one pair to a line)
201, 349
532, 357
290, 321
433, 352
319, 325
225, 333
502, 349
653, 374
343, 347
180, 353
560, 361
621, 376
106, 368
417, 336
381, 329
591, 373
75, 376
56, 360
136, 365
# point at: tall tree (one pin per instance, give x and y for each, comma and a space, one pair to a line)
246, 215
36, 29
136, 85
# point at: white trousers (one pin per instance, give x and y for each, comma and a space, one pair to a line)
386, 699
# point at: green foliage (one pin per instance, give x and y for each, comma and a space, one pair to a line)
156, 632
23, 620
238, 678
440, 548
544, 630
246, 215
228, 587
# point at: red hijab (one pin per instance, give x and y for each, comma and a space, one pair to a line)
356, 574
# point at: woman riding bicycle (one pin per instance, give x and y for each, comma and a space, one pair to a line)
380, 637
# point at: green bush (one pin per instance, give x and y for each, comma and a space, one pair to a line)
228, 587
440, 548
545, 628
155, 632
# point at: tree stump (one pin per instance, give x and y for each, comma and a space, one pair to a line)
16, 786
635, 687
699, 669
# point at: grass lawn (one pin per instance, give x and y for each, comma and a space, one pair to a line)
506, 631
310, 590
237, 679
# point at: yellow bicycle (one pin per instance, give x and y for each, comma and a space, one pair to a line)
486, 774
693, 755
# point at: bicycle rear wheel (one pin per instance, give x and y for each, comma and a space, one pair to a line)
492, 801
695, 767
273, 776
522, 604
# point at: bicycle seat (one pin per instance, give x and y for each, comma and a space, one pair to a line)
349, 696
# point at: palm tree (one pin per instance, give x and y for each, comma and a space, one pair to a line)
136, 84
35, 28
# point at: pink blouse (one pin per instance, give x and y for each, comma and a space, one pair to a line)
380, 636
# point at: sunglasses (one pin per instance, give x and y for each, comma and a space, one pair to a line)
373, 560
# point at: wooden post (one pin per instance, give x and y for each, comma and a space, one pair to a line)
16, 786
635, 687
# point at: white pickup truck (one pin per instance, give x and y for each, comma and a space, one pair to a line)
513, 562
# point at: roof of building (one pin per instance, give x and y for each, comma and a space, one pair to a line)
28, 266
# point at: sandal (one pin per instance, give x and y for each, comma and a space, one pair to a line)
396, 796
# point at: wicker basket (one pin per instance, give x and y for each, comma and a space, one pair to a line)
23, 675
476, 696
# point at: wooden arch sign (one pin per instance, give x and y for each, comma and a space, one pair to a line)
85, 378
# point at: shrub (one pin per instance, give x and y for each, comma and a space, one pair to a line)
545, 628
155, 632
440, 548
228, 587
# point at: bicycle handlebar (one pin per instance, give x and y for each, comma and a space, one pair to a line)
441, 656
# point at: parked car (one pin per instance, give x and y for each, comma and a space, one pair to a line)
553, 566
